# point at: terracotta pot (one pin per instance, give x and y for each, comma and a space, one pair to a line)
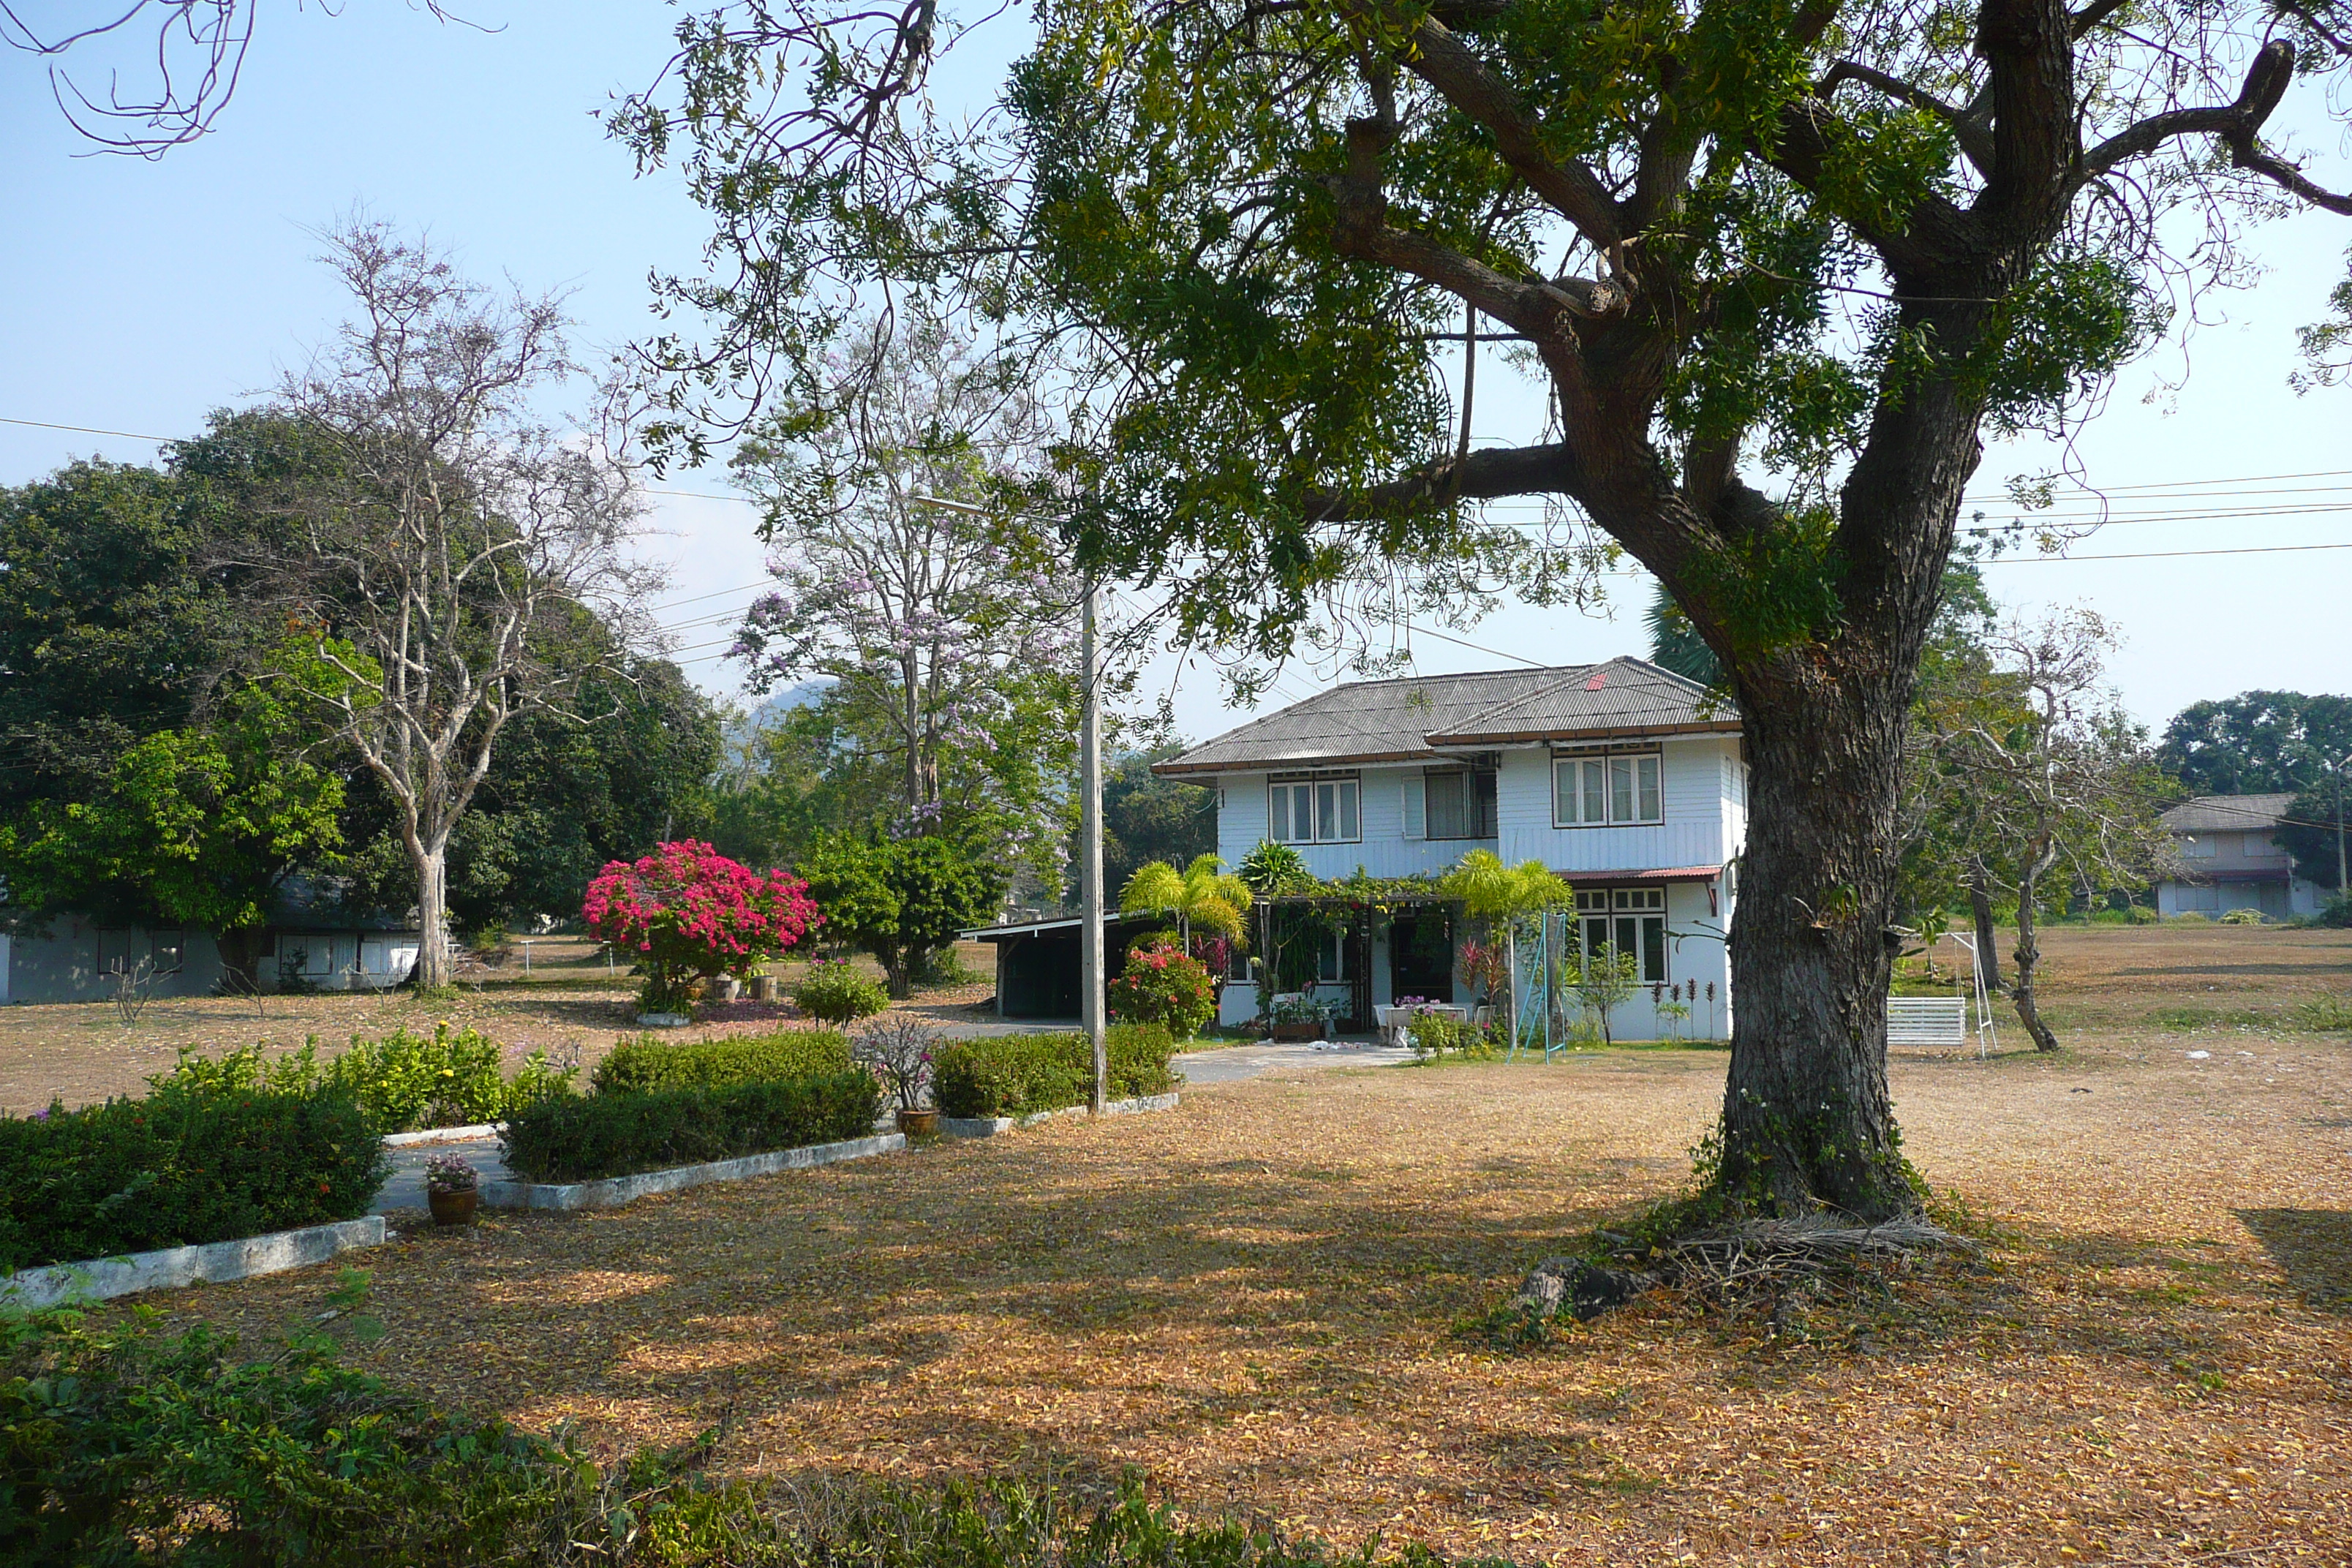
454, 1208
918, 1123
1300, 1031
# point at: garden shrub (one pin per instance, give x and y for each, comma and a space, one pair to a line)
2242, 918
1161, 985
2337, 913
587, 1138
191, 1162
834, 993
403, 1083
1020, 1075
121, 1442
649, 1062
687, 912
1436, 1036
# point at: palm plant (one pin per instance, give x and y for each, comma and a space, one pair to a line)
1501, 896
1204, 894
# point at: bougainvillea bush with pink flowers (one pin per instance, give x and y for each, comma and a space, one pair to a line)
1161, 985
689, 912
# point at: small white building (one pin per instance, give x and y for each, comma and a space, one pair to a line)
1622, 777
2234, 861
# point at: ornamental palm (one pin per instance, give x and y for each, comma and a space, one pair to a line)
1500, 894
1204, 894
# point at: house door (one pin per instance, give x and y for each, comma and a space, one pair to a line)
1421, 955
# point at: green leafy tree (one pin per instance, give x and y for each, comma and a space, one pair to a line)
1147, 817
1772, 273
2256, 742
111, 626
191, 827
902, 901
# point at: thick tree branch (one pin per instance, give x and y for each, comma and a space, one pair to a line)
1575, 192
2238, 125
1483, 476
2028, 45
1935, 232
1968, 130
1537, 306
2091, 16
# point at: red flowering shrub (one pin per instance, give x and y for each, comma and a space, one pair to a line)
689, 912
1161, 985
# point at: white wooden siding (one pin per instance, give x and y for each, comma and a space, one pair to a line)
1693, 834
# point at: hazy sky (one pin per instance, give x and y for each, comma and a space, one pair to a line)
136, 296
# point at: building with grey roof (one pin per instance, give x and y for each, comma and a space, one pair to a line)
1623, 777
2234, 861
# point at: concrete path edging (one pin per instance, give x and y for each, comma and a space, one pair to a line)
167, 1269
990, 1126
614, 1191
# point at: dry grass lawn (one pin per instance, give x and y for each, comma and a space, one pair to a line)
1256, 1301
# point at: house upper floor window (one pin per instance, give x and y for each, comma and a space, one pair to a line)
2200, 847
1313, 808
1459, 803
1600, 786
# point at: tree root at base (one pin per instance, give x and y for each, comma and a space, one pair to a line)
1771, 1263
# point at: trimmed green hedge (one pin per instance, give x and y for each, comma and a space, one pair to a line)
594, 1136
1019, 1074
649, 1062
186, 1165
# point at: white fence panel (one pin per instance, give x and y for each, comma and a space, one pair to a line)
1926, 1021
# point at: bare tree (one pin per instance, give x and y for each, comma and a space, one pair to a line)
461, 562
192, 53
2047, 777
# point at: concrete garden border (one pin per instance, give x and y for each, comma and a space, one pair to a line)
167, 1269
443, 1134
990, 1126
614, 1191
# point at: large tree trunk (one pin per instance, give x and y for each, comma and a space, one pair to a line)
432, 862
1806, 1119
1981, 907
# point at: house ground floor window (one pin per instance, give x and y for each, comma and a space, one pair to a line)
1626, 920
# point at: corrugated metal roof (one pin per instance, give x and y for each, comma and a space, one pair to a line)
2227, 813
1625, 696
1417, 717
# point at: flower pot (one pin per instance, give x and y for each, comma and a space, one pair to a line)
454, 1208
1299, 1031
918, 1123
764, 988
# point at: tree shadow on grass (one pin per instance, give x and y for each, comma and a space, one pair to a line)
2312, 1247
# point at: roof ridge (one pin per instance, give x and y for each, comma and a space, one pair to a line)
1566, 680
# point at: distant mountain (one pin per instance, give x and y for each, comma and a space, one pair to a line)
772, 711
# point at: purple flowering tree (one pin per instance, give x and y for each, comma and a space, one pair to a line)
946, 639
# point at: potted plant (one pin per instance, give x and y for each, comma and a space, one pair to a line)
899, 1050
452, 1188
1299, 1017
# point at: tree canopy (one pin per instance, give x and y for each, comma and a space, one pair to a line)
1770, 270
2256, 742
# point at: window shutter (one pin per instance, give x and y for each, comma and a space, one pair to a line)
1415, 805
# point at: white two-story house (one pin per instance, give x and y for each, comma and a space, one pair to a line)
2233, 861
1621, 776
